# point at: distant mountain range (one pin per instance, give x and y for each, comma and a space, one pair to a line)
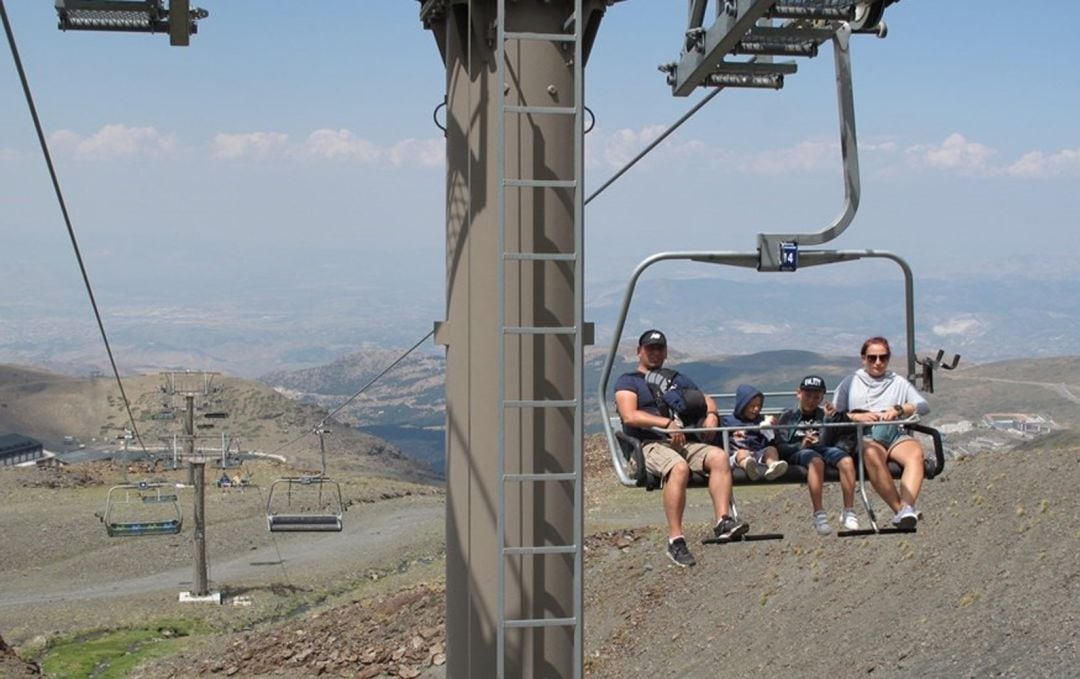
407, 409
250, 334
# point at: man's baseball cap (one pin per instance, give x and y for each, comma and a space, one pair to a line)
652, 338
812, 383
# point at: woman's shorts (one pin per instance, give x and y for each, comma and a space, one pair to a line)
888, 435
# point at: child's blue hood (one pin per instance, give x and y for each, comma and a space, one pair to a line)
743, 395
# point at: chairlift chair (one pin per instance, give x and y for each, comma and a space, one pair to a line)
312, 510
141, 509
780, 253
310, 504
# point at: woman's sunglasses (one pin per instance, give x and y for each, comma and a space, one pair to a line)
877, 358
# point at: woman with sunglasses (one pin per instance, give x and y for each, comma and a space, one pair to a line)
876, 395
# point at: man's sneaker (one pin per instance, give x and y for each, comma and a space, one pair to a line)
848, 520
727, 528
679, 554
754, 469
907, 518
821, 523
775, 470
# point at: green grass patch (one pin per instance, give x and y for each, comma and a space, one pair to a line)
114, 653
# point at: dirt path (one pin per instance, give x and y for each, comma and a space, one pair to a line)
371, 536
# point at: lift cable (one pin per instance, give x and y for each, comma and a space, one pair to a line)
352, 398
656, 142
67, 218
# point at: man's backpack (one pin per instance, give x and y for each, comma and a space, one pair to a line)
684, 404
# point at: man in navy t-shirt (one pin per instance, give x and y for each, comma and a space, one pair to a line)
670, 455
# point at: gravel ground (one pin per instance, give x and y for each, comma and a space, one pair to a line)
989, 586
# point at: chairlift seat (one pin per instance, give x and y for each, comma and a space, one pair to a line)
631, 451
304, 522
316, 521
169, 527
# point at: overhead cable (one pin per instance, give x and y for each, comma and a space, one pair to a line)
67, 218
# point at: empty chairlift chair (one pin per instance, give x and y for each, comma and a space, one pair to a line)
141, 509
304, 504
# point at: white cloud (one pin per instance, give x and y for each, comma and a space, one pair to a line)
955, 153
114, 141
422, 152
1039, 164
883, 147
340, 144
965, 324
803, 157
248, 145
618, 148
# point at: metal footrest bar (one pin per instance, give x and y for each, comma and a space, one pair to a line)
872, 531
748, 537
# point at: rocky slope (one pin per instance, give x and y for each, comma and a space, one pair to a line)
989, 586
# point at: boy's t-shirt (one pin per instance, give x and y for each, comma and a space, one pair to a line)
789, 441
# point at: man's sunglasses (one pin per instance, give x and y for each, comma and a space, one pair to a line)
878, 358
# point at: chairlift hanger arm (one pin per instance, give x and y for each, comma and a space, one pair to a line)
770, 244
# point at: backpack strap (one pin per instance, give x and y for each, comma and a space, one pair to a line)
659, 382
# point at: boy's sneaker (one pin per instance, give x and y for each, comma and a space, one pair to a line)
821, 523
775, 470
754, 469
727, 528
907, 518
848, 520
679, 554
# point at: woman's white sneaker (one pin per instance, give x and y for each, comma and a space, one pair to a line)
848, 520
907, 518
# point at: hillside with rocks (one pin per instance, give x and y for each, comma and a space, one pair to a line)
253, 417
989, 586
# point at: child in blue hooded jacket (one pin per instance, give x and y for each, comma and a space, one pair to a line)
752, 448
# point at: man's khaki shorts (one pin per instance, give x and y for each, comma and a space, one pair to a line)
660, 457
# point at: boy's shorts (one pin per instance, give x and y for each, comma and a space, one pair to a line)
660, 457
831, 454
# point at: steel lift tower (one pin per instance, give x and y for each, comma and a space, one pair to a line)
514, 332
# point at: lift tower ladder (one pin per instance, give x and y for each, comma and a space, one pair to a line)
570, 40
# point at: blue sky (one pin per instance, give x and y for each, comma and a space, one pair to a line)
292, 146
